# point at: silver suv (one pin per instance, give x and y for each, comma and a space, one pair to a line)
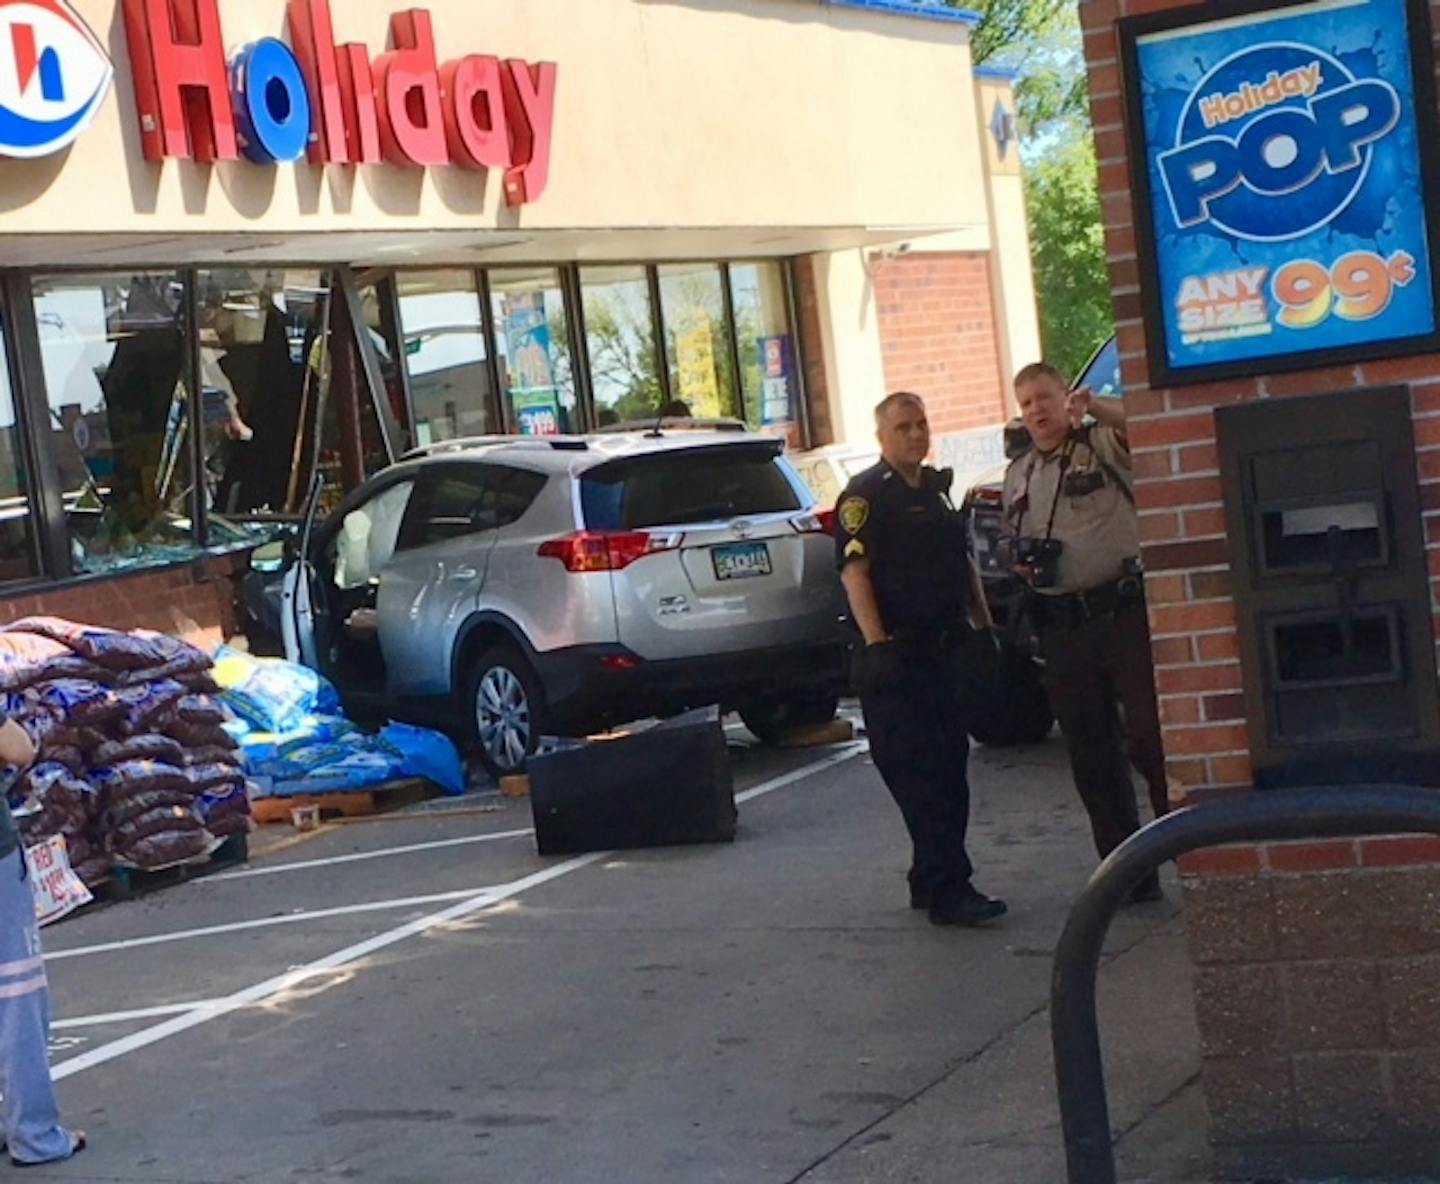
525, 586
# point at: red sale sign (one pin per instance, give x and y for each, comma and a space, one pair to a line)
58, 891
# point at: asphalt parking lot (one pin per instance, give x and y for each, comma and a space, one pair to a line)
427, 999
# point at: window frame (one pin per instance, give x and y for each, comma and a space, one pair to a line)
51, 539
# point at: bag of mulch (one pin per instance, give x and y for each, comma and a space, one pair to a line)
87, 740
137, 650
133, 805
15, 704
73, 666
200, 683
200, 735
79, 701
164, 849
65, 754
235, 824
149, 746
201, 709
270, 693
39, 723
209, 777
160, 820
21, 656
186, 667
146, 704
222, 802
208, 756
93, 871
132, 777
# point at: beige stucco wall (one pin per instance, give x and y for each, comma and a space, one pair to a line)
671, 113
1016, 316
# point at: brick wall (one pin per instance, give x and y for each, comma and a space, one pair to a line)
1317, 962
197, 602
937, 335
1317, 992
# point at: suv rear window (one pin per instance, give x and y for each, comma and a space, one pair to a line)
696, 485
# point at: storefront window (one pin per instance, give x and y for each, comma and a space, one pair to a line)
619, 331
532, 341
264, 375
17, 538
697, 339
384, 337
768, 356
444, 349
114, 354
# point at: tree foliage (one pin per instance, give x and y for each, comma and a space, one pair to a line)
1068, 252
1041, 39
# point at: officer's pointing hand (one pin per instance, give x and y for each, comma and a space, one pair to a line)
1077, 403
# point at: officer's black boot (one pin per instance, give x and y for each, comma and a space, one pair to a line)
965, 907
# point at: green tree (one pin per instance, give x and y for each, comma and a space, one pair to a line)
1042, 40
1067, 243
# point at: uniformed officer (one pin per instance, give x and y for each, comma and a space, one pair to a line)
1071, 526
905, 563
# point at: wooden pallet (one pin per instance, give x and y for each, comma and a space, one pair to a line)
364, 803
125, 883
837, 731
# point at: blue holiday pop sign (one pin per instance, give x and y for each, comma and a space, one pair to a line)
1285, 184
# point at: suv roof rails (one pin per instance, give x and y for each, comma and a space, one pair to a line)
675, 423
469, 443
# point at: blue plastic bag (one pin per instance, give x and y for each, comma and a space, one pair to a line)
271, 694
428, 754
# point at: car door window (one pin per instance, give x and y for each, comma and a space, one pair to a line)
459, 500
368, 537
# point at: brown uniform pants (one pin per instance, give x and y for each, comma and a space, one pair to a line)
1093, 672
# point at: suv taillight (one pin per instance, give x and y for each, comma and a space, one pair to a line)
815, 522
606, 550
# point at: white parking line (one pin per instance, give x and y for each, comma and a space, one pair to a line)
279, 984
380, 853
295, 918
125, 1017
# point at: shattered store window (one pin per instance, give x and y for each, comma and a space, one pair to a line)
114, 354
17, 537
264, 381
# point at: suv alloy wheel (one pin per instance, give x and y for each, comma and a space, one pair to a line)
505, 710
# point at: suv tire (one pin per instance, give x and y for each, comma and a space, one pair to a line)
772, 717
504, 710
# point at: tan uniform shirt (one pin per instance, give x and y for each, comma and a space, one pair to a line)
1094, 519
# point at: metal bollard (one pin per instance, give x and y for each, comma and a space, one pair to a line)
1325, 812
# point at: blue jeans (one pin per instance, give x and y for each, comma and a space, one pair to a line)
30, 1113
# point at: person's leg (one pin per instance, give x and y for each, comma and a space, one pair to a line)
32, 1127
1083, 700
906, 745
1134, 675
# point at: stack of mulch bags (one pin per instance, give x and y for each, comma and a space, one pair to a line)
134, 764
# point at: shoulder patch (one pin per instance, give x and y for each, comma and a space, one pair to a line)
854, 512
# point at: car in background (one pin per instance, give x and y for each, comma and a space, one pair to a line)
521, 586
827, 470
1028, 719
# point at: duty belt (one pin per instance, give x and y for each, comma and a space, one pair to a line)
1070, 610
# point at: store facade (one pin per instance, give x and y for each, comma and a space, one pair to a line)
250, 248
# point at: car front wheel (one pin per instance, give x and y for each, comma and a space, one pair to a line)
506, 710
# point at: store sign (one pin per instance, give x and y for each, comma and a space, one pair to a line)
1284, 185
54, 75
272, 102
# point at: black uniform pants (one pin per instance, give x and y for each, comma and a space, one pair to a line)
919, 742
1094, 671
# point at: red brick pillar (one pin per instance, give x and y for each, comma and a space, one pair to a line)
1318, 964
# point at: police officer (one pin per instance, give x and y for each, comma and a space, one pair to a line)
905, 564
1071, 527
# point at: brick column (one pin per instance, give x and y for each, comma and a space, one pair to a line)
1318, 964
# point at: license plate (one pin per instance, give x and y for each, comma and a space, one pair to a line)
740, 561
